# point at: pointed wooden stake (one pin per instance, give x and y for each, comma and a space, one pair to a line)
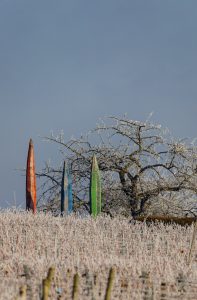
31, 179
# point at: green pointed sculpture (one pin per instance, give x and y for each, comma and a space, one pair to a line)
95, 189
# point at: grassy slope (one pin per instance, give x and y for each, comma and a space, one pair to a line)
30, 244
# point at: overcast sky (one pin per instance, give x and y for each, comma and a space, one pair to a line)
65, 63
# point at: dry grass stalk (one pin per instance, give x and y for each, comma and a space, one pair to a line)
110, 284
192, 245
158, 249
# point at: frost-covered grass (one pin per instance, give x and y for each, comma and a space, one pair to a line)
148, 260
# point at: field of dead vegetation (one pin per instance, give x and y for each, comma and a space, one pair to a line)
148, 262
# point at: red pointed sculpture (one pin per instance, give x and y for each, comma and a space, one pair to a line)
31, 179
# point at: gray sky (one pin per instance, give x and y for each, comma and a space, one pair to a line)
65, 63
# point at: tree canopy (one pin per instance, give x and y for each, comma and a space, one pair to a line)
139, 161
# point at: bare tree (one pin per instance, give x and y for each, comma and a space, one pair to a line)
139, 163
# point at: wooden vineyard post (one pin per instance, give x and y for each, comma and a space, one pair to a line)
147, 288
31, 179
110, 284
95, 189
22, 293
75, 293
66, 191
46, 284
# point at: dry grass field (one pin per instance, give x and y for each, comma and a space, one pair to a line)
150, 262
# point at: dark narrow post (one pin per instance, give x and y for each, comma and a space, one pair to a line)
64, 199
66, 191
70, 194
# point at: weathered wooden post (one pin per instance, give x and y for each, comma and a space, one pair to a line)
46, 284
22, 293
66, 191
110, 283
31, 179
95, 189
75, 292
